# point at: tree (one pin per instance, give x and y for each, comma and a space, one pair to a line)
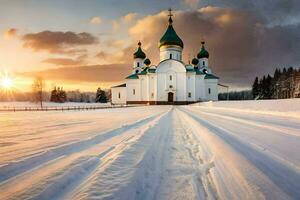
255, 88
37, 90
101, 96
58, 95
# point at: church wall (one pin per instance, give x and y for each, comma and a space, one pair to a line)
174, 50
211, 84
144, 88
200, 88
190, 90
133, 88
181, 87
152, 87
119, 95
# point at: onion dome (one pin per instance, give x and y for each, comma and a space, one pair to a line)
139, 53
147, 62
195, 61
170, 37
203, 53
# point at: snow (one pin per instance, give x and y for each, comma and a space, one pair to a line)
213, 150
23, 104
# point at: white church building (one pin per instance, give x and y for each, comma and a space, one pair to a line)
171, 81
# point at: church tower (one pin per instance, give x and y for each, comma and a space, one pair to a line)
138, 59
203, 56
170, 45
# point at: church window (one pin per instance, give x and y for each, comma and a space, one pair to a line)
208, 90
170, 77
133, 91
189, 94
170, 56
119, 95
203, 63
138, 64
170, 86
136, 71
152, 95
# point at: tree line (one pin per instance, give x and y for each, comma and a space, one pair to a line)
284, 83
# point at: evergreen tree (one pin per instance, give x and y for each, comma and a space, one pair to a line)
101, 96
53, 97
255, 88
268, 88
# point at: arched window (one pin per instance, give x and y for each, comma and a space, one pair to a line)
208, 90
138, 64
133, 91
170, 77
119, 95
136, 71
170, 56
203, 63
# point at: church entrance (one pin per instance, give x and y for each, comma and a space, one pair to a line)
170, 97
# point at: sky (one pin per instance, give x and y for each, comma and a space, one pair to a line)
88, 44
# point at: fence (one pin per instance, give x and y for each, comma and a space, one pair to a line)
59, 108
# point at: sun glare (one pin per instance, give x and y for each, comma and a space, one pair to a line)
6, 82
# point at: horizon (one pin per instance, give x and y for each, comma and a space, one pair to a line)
92, 43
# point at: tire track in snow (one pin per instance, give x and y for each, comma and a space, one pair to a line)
120, 180
284, 176
15, 168
63, 178
202, 179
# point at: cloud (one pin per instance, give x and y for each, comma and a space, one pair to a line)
191, 3
94, 73
242, 45
96, 20
10, 33
115, 25
273, 12
63, 61
130, 17
58, 42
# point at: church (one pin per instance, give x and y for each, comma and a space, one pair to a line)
171, 81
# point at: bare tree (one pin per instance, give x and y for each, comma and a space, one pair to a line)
37, 90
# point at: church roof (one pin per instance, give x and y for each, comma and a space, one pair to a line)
139, 53
203, 53
122, 85
210, 76
170, 37
132, 76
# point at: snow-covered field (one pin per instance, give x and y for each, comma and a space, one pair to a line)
23, 104
214, 150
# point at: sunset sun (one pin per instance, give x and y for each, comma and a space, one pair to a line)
6, 82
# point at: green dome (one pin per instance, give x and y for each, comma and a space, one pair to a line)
195, 61
147, 62
170, 37
203, 53
139, 53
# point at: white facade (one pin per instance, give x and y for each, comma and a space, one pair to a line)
171, 81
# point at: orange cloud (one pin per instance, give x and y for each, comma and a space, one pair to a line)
129, 17
96, 20
10, 33
58, 42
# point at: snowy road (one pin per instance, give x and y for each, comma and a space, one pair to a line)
163, 152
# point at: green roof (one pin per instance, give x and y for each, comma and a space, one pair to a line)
203, 53
139, 53
122, 85
170, 37
152, 70
210, 76
132, 76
